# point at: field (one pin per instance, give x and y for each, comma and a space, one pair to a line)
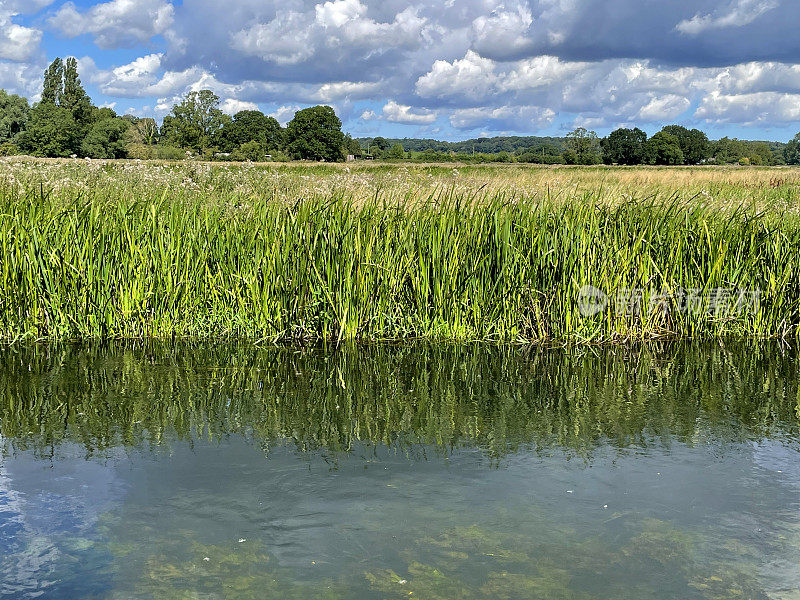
376, 251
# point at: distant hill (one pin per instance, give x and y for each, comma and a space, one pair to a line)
490, 145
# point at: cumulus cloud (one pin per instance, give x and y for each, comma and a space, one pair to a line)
232, 106
479, 65
284, 114
504, 118
398, 113
285, 40
21, 78
750, 109
115, 24
470, 77
738, 14
17, 43
504, 32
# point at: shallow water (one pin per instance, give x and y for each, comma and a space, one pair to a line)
211, 471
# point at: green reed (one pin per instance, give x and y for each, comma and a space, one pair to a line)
113, 261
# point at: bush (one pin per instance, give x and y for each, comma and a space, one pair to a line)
9, 149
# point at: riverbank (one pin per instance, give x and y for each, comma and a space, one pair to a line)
390, 252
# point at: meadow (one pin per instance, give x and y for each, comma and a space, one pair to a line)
304, 252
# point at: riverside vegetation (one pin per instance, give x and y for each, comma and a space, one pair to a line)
92, 249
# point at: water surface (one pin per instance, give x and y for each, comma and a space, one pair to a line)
227, 471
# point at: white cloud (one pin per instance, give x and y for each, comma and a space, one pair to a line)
339, 12
115, 24
399, 113
328, 92
232, 106
504, 118
17, 43
541, 71
21, 78
471, 77
663, 108
284, 114
133, 78
750, 109
503, 32
737, 14
286, 40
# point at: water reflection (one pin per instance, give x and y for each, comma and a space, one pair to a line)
201, 471
447, 397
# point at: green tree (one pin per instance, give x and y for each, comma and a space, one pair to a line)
624, 147
53, 82
73, 96
315, 134
102, 113
13, 114
252, 150
251, 126
380, 143
351, 146
106, 139
142, 131
195, 122
729, 150
50, 131
759, 153
694, 143
584, 145
396, 151
664, 149
791, 153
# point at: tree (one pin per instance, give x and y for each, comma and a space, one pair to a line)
791, 153
106, 139
142, 131
252, 150
759, 153
396, 151
73, 96
584, 145
664, 149
195, 122
624, 147
53, 82
727, 150
102, 113
50, 131
694, 143
13, 114
351, 146
380, 143
316, 134
251, 126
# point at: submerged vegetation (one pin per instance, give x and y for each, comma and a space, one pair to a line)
126, 250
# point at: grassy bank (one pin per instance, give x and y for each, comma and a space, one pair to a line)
126, 250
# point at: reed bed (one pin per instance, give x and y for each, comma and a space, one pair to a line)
390, 252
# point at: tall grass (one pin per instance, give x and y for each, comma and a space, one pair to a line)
205, 260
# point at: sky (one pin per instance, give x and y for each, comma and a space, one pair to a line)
444, 69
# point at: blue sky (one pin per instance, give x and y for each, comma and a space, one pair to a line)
447, 69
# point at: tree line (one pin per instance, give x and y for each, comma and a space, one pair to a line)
673, 145
65, 123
